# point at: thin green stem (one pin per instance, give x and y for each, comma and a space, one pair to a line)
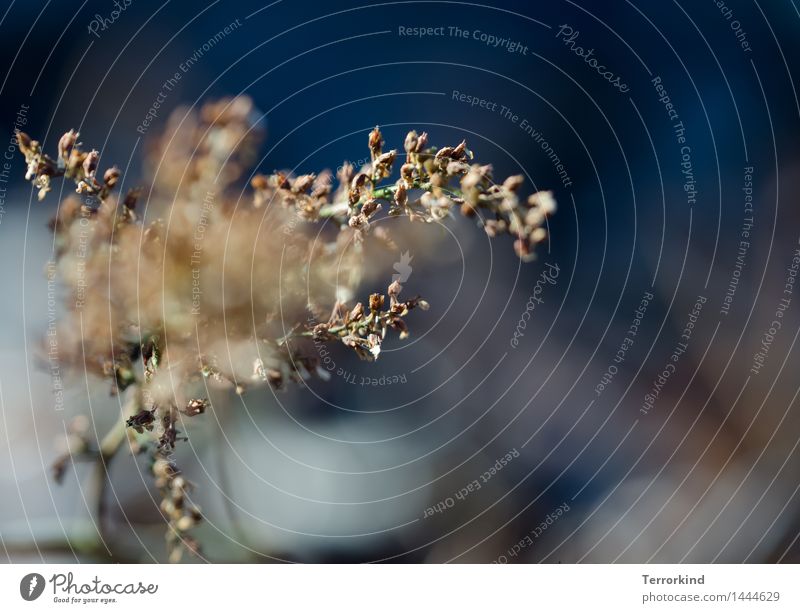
110, 444
386, 192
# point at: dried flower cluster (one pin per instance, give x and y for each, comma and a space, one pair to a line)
363, 330
222, 291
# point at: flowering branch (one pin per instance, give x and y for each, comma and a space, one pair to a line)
154, 320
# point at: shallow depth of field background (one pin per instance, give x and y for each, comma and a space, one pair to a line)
340, 471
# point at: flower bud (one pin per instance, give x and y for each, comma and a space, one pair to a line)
184, 523
357, 313
345, 173
444, 153
468, 209
90, 163
457, 167
544, 201
401, 194
376, 302
513, 183
522, 249
375, 142
386, 159
407, 173
259, 182
422, 142
303, 183
370, 207
162, 468
359, 181
25, 143
66, 143
358, 222
320, 332
460, 151
111, 176
410, 144
196, 406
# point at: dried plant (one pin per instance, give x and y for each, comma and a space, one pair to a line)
217, 290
